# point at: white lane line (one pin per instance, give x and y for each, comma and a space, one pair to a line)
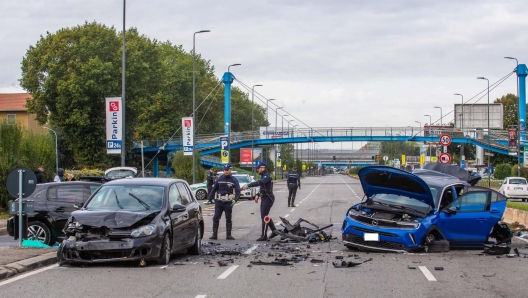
28, 274
251, 249
427, 273
292, 210
521, 238
285, 216
227, 272
200, 296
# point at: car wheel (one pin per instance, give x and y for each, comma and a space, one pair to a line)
165, 252
201, 194
196, 249
439, 246
429, 239
524, 200
38, 231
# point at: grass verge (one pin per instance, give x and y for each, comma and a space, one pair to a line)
517, 205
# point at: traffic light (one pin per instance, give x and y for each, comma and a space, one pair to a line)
373, 157
334, 157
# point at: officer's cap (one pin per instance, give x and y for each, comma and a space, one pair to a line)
227, 166
262, 165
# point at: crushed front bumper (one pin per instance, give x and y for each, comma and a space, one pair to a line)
100, 251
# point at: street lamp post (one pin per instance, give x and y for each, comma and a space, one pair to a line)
462, 127
230, 118
441, 115
518, 126
194, 103
252, 120
236, 64
489, 134
56, 150
123, 82
430, 136
267, 120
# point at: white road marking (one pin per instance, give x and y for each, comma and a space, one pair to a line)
251, 249
285, 216
28, 274
227, 272
200, 296
521, 238
427, 273
292, 210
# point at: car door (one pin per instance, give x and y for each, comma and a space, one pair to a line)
60, 203
178, 219
468, 222
192, 211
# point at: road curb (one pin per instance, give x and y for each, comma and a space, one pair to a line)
12, 269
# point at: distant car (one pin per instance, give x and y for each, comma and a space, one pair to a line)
514, 188
200, 189
136, 219
54, 202
428, 210
111, 174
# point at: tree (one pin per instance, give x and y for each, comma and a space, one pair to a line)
510, 109
397, 149
182, 165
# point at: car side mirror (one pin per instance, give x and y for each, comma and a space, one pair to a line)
178, 208
77, 205
451, 210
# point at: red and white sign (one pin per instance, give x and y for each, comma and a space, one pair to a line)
188, 136
245, 156
114, 125
444, 158
445, 140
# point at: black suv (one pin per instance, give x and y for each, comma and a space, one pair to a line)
54, 203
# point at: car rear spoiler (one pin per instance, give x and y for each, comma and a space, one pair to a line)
470, 177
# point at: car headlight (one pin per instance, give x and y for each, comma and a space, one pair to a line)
74, 225
143, 231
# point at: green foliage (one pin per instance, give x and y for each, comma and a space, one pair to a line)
502, 171
510, 107
20, 147
517, 205
524, 171
354, 171
397, 149
182, 165
286, 155
298, 164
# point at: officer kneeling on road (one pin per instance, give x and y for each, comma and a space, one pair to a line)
227, 189
268, 198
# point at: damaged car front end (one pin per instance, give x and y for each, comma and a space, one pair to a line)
134, 219
404, 212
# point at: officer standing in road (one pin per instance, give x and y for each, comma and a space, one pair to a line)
210, 182
268, 198
293, 182
228, 190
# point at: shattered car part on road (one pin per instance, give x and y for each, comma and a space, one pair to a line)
302, 234
432, 209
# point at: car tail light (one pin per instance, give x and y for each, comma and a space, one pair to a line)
507, 188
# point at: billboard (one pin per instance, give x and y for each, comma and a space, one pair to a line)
246, 158
275, 132
278, 160
476, 116
512, 139
114, 125
188, 137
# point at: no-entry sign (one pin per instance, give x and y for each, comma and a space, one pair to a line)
445, 158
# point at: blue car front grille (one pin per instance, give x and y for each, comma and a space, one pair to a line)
372, 231
375, 244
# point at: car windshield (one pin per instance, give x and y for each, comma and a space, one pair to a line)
130, 198
242, 178
115, 174
403, 201
517, 181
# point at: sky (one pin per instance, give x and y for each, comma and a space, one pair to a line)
333, 63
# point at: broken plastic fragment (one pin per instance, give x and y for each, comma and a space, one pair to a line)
345, 264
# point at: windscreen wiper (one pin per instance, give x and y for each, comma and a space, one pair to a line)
117, 200
140, 201
406, 208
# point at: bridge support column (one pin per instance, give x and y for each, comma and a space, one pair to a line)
227, 79
155, 167
521, 76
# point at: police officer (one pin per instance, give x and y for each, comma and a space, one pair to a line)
210, 182
268, 198
294, 182
224, 186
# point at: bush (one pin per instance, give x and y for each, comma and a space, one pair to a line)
20, 147
502, 171
524, 171
354, 171
182, 165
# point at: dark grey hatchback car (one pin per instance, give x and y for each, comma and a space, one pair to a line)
134, 219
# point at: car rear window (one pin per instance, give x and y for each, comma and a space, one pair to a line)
115, 174
517, 181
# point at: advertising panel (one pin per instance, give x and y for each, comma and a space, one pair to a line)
512, 139
476, 116
188, 137
275, 132
114, 125
246, 158
224, 148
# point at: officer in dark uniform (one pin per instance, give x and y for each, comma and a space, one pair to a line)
210, 182
227, 189
268, 198
294, 182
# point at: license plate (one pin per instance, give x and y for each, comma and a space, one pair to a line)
371, 237
517, 188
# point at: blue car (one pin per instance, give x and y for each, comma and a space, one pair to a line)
426, 210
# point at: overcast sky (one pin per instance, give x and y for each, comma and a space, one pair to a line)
342, 63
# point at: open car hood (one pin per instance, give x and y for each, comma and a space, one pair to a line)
388, 180
438, 169
109, 219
